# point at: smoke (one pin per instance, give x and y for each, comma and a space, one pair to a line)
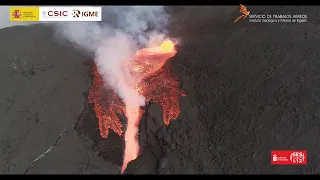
123, 31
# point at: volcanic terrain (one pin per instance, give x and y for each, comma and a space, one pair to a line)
250, 88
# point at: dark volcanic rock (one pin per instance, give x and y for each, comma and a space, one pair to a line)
146, 163
251, 88
255, 88
41, 98
110, 148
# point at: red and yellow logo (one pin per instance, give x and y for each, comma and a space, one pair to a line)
16, 14
24, 14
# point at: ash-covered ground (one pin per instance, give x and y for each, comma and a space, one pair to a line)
250, 88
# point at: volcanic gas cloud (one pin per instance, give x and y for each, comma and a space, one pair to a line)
152, 80
126, 76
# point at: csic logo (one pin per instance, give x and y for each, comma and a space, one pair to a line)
55, 13
78, 13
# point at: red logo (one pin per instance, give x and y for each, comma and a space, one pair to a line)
16, 14
293, 157
57, 13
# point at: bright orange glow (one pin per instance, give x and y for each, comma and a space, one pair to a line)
154, 81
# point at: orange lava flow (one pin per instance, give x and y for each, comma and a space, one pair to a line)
154, 81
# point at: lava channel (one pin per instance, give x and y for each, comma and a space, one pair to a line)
155, 81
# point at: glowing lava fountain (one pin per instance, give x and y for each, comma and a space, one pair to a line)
154, 81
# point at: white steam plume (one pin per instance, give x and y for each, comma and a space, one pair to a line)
123, 31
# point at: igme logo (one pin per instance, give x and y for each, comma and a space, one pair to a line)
78, 13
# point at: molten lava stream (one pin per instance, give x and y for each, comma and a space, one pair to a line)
155, 82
